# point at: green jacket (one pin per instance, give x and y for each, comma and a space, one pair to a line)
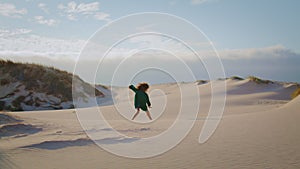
141, 98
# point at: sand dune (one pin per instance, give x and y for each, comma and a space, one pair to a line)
259, 129
28, 87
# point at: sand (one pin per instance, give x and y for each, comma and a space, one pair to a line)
259, 129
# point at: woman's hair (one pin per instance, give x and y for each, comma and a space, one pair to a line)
143, 86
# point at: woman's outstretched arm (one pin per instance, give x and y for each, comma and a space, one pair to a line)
133, 88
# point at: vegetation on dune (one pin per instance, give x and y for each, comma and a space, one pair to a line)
258, 80
296, 93
236, 78
37, 78
41, 79
221, 79
199, 82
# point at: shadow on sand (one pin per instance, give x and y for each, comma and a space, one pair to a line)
5, 119
54, 145
18, 129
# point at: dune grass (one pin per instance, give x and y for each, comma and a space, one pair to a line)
41, 79
258, 80
236, 78
199, 82
296, 93
37, 78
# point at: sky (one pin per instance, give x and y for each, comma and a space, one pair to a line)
252, 37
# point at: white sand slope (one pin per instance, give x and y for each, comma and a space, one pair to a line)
260, 129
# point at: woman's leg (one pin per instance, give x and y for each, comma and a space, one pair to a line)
148, 114
137, 112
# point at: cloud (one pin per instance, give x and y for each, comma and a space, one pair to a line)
72, 10
43, 21
43, 7
172, 3
83, 8
102, 16
271, 52
4, 33
198, 2
146, 28
273, 62
21, 42
10, 10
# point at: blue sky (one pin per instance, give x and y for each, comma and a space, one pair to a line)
253, 29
